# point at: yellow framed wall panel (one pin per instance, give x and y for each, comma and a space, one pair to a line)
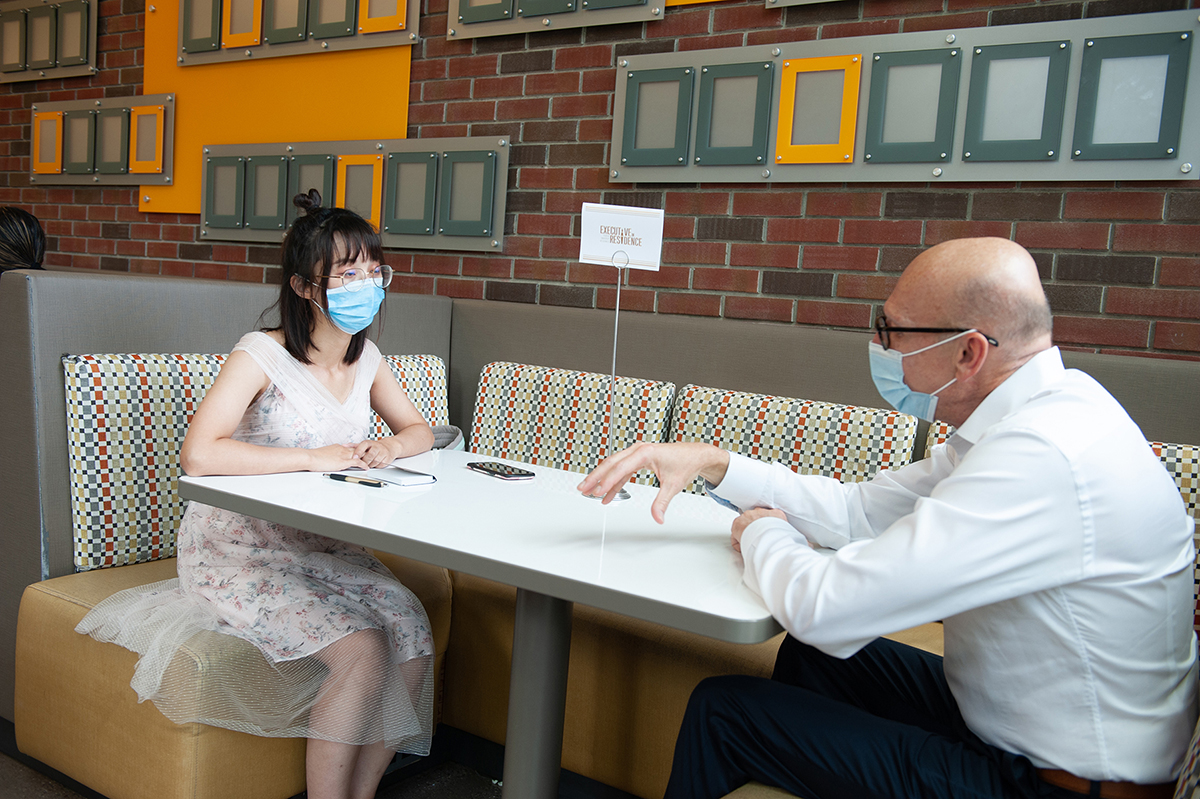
375, 203
238, 102
839, 152
377, 16
146, 139
47, 142
241, 23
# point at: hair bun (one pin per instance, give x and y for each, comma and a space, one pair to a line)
309, 203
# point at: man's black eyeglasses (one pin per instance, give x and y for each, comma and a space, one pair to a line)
884, 330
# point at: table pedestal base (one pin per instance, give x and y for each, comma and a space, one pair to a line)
537, 696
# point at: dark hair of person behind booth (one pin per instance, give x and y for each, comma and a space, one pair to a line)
320, 240
22, 240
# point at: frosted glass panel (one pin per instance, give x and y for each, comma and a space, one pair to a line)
72, 33
466, 190
1129, 99
12, 41
817, 116
110, 139
410, 191
286, 14
39, 38
331, 11
312, 176
266, 194
77, 139
910, 110
47, 141
201, 27
381, 8
657, 115
1016, 99
733, 103
241, 16
147, 137
224, 190
360, 189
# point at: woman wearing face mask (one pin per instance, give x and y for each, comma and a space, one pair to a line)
348, 650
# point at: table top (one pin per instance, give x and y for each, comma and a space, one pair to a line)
541, 535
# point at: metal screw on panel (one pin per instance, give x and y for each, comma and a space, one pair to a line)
1185, 168
687, 72
623, 62
854, 60
495, 243
35, 107
502, 143
949, 38
1050, 154
378, 145
766, 173
1183, 36
545, 20
937, 172
153, 9
247, 52
876, 58
614, 173
1079, 152
953, 52
845, 158
680, 159
867, 156
290, 148
33, 180
779, 158
1089, 44
204, 232
146, 198
943, 155
206, 152
433, 155
629, 74
180, 59
697, 159
966, 155
787, 63
1170, 151
412, 37
42, 73
1062, 45
978, 51
775, 51
765, 66
97, 179
451, 32
623, 160
758, 158
656, 11
705, 69
441, 230
324, 45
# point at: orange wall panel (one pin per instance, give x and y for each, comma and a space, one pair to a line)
355, 94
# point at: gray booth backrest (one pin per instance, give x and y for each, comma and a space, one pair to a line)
791, 361
45, 315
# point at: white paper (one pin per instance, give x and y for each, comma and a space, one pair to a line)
619, 235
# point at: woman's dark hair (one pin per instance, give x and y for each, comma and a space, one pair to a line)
320, 240
22, 240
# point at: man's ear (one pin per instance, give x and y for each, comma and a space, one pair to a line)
972, 354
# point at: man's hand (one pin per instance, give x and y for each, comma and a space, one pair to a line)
746, 519
675, 465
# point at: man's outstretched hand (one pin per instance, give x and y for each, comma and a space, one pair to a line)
675, 465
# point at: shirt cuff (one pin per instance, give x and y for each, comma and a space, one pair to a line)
744, 485
767, 527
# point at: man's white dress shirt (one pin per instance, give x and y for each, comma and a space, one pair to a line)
1052, 542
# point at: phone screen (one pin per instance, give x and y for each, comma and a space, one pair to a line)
500, 470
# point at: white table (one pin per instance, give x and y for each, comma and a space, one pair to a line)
556, 546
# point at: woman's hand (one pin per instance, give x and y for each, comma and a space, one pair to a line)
748, 518
334, 458
378, 452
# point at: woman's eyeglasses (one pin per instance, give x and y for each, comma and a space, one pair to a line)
884, 331
354, 279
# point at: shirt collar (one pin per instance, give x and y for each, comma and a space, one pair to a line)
1038, 372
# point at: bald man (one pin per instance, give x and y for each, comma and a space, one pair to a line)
1045, 533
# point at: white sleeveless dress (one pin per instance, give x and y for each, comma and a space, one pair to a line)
287, 592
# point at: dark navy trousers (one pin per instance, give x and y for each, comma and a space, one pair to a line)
879, 725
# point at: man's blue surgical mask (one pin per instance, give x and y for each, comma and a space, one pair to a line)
352, 311
887, 370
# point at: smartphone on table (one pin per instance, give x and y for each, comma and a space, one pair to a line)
500, 470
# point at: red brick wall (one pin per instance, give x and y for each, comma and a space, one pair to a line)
1120, 262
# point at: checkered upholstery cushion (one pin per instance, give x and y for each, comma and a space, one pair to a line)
423, 378
939, 433
126, 418
1183, 463
558, 417
841, 441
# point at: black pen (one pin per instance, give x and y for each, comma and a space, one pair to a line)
349, 478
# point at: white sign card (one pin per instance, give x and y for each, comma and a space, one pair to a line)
619, 235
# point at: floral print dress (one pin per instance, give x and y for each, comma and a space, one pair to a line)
291, 594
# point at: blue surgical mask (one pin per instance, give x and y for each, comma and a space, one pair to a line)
352, 311
887, 370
